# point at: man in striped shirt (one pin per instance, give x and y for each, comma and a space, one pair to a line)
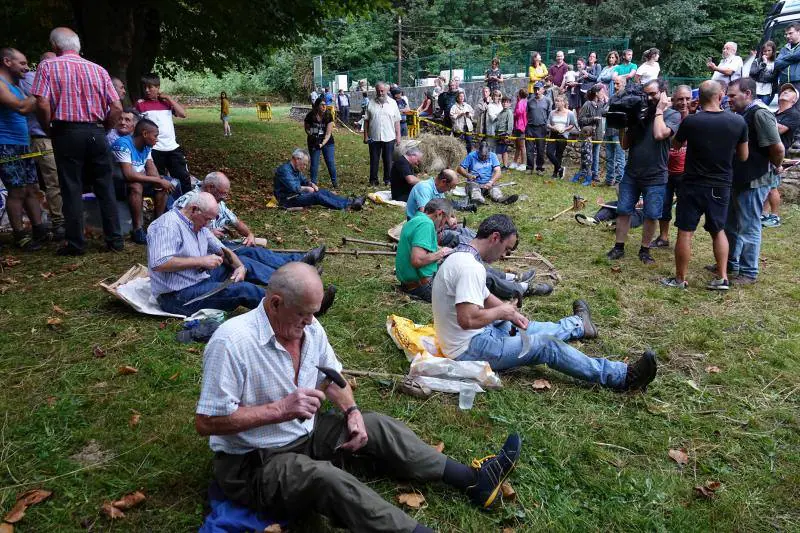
75, 99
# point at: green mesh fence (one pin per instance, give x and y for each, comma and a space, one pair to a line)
514, 59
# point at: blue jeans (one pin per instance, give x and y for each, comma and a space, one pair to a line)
327, 153
244, 293
615, 160
263, 262
546, 347
743, 229
595, 161
323, 197
629, 192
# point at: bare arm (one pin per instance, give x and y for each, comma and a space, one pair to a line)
742, 151
776, 153
137, 177
22, 106
114, 112
463, 172
43, 112
328, 133
411, 179
176, 264
421, 257
661, 131
397, 130
177, 109
624, 141
471, 316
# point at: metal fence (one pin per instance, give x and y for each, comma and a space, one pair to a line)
514, 59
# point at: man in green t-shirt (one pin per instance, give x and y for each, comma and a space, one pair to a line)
626, 68
418, 252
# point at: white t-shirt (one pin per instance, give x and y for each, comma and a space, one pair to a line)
460, 279
648, 72
381, 117
570, 76
734, 62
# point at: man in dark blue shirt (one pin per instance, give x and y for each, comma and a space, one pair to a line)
293, 189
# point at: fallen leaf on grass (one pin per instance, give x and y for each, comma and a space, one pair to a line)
98, 351
51, 400
508, 491
679, 456
112, 512
135, 419
57, 309
713, 369
127, 370
162, 325
25, 500
192, 350
541, 384
693, 385
616, 269
415, 500
129, 500
538, 236
70, 268
9, 261
369, 349
54, 322
47, 275
439, 447
174, 376
707, 491
6, 528
355, 228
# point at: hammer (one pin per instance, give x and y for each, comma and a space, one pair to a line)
332, 376
578, 203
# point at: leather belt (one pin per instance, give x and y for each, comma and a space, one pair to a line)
411, 285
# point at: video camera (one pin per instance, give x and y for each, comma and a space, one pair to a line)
627, 108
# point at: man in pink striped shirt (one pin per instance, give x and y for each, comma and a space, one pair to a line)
76, 101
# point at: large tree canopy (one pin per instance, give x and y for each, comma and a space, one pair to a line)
129, 36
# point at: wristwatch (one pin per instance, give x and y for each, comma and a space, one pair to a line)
350, 409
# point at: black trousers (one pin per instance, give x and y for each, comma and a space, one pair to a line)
344, 114
82, 159
555, 153
535, 147
380, 150
173, 163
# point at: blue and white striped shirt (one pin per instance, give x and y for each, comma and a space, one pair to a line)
245, 365
172, 235
224, 219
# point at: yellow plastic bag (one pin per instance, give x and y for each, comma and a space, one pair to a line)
413, 339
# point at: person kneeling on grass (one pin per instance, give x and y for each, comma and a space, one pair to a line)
418, 257
275, 452
293, 189
481, 168
186, 260
133, 154
473, 325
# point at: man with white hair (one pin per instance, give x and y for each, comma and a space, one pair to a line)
403, 178
381, 132
76, 126
730, 68
186, 260
218, 185
276, 451
293, 189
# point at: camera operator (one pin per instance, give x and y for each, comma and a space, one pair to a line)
647, 142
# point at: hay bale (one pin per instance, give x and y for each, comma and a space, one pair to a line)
790, 190
439, 152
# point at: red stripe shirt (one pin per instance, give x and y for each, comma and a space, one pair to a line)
78, 90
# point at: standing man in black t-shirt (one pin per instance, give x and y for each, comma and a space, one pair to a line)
645, 174
402, 176
712, 139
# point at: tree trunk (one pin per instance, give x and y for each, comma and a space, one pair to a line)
121, 35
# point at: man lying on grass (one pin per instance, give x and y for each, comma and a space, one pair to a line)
275, 453
474, 325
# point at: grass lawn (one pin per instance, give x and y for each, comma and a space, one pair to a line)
593, 460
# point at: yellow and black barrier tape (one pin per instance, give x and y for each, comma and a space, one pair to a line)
24, 156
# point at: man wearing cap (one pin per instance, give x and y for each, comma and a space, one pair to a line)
539, 109
481, 168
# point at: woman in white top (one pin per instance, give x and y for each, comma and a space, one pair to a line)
762, 70
560, 124
492, 111
650, 69
461, 114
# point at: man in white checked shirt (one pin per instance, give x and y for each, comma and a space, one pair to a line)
273, 451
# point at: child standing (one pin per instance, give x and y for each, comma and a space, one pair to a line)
592, 123
224, 113
520, 123
167, 153
504, 127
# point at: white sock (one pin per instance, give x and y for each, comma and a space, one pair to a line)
510, 276
524, 285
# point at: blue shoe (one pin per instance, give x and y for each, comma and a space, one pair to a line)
587, 180
578, 177
492, 470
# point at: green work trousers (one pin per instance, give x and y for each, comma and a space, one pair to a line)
288, 482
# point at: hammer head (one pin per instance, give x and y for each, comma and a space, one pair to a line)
333, 375
578, 202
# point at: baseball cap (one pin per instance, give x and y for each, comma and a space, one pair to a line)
789, 86
538, 85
